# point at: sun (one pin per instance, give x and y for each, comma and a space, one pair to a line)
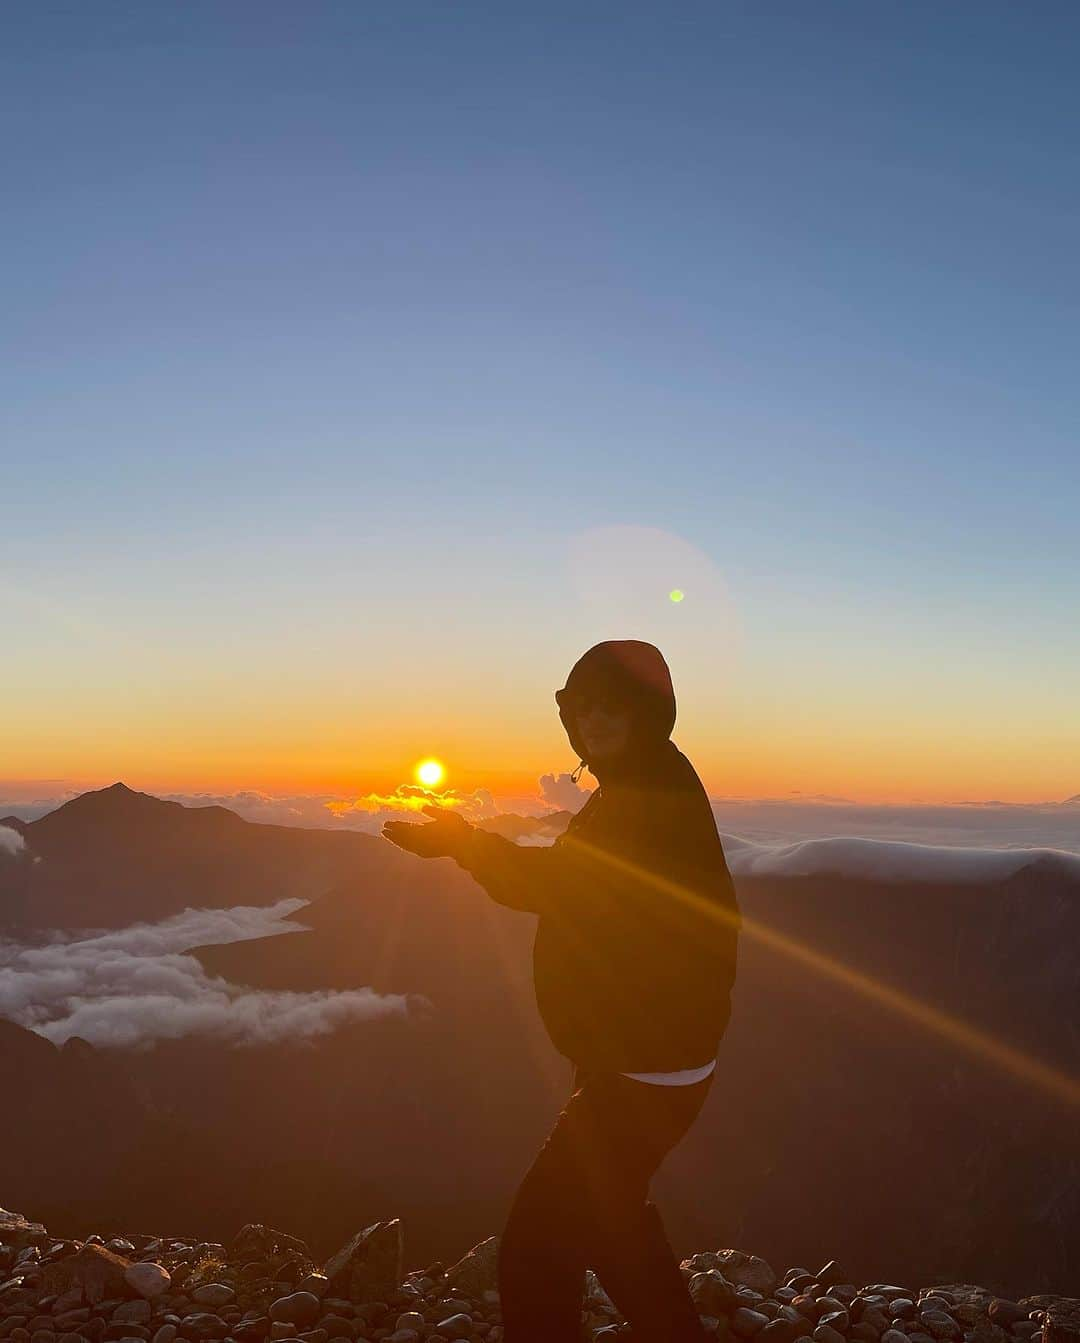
430, 772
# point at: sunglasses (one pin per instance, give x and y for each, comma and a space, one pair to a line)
580, 702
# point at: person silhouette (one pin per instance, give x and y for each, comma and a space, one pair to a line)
634, 961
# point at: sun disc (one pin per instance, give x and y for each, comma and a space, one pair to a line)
430, 772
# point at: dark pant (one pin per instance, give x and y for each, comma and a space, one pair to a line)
584, 1204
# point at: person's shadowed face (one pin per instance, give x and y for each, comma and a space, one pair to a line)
604, 725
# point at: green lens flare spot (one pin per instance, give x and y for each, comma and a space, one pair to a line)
676, 594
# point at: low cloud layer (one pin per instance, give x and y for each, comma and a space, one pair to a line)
370, 811
134, 986
994, 825
888, 860
11, 842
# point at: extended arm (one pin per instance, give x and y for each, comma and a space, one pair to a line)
514, 875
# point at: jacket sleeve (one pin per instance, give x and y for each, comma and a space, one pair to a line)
516, 875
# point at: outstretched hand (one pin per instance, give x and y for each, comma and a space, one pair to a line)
443, 838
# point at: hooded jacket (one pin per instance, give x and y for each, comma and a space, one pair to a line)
636, 942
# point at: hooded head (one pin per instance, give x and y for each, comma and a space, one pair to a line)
634, 673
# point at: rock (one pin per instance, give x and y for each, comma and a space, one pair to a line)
213, 1294
1006, 1313
839, 1320
125, 1329
711, 1292
781, 1330
148, 1279
596, 1298
939, 1324
67, 1319
456, 1326
71, 1300
166, 1334
299, 1308
371, 1265
1062, 1316
831, 1274
893, 1336
965, 1301
256, 1241
746, 1270
16, 1230
746, 1323
203, 1325
825, 1333
132, 1312
315, 1283
474, 1272
96, 1271
337, 1326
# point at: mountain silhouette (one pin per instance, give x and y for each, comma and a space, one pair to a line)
115, 856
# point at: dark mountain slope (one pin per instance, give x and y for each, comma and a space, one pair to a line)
115, 856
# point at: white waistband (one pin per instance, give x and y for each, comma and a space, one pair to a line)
679, 1079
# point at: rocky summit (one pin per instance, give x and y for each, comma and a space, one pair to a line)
266, 1285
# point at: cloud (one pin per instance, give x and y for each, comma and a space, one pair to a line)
11, 842
560, 791
304, 810
369, 812
993, 825
131, 987
887, 861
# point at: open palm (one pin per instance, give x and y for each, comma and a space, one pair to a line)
442, 838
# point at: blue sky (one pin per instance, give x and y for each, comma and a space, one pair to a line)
329, 323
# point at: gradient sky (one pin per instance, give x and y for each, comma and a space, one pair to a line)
365, 363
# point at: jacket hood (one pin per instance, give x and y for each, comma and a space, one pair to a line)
633, 671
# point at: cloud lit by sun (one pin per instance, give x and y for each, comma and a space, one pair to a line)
430, 773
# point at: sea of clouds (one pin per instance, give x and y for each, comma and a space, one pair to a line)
133, 986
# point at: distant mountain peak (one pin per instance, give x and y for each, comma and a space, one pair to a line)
117, 794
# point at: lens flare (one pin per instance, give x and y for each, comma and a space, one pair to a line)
430, 773
676, 594
962, 1034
